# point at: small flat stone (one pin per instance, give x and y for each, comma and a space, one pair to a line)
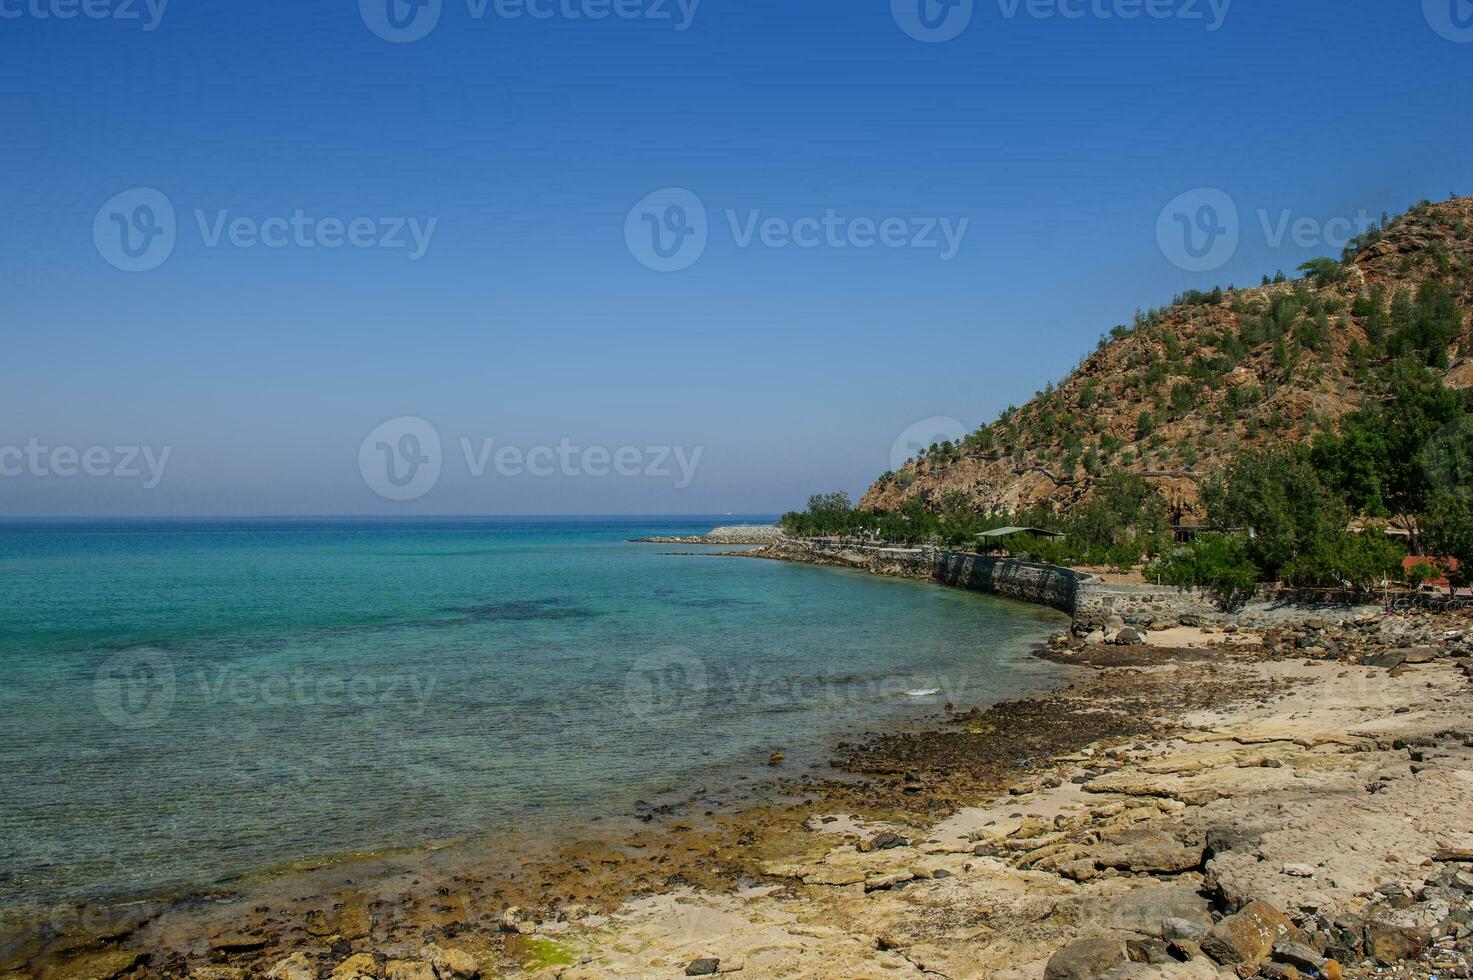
450, 962
1299, 956
357, 966
294, 967
885, 882
884, 841
1174, 928
1184, 949
1152, 951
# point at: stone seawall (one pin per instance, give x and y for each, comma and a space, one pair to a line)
1093, 605
1099, 605
1044, 585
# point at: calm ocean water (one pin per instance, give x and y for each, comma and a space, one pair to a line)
183, 701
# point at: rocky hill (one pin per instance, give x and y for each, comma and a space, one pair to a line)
1176, 393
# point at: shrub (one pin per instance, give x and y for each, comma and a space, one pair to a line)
1419, 573
1219, 563
1359, 562
1195, 297
1183, 397
1124, 556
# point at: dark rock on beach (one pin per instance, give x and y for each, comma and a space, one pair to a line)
1085, 959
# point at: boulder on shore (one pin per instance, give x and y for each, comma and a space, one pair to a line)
1147, 850
1085, 959
1249, 936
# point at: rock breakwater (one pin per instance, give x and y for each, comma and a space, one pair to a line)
755, 534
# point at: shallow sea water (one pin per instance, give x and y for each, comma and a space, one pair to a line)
185, 701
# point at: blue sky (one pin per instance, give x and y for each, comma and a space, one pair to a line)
529, 320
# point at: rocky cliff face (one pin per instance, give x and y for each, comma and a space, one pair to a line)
1174, 395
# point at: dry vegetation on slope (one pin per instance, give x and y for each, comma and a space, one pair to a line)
1174, 395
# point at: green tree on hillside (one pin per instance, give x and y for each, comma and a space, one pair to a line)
1426, 325
1324, 271
1378, 459
1279, 496
1447, 460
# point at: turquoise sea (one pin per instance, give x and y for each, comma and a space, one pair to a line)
185, 701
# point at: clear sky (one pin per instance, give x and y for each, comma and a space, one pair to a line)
535, 157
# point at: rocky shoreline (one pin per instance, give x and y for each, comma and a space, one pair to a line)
1099, 608
1281, 803
1285, 804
